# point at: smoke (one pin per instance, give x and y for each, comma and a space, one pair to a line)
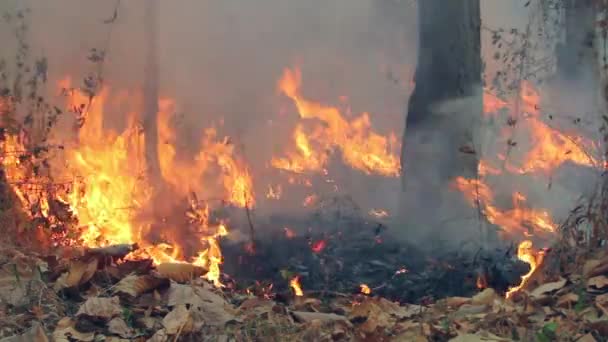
220, 61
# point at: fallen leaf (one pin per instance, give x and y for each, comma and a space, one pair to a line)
79, 272
481, 337
105, 308
597, 283
589, 266
178, 320
118, 326
486, 297
65, 331
212, 307
568, 300
134, 285
380, 312
455, 302
304, 317
601, 302
548, 288
34, 334
587, 338
159, 336
180, 272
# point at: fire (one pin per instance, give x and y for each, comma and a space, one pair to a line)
360, 147
216, 157
481, 282
274, 192
526, 253
294, 283
550, 147
365, 289
517, 219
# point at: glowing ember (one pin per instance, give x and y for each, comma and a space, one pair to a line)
526, 253
365, 289
378, 213
481, 282
360, 147
294, 283
289, 233
310, 200
318, 246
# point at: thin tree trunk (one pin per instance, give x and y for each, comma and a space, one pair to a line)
151, 85
448, 73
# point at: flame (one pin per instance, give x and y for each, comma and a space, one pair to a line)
526, 253
361, 148
294, 283
310, 200
365, 289
214, 154
481, 282
274, 192
518, 219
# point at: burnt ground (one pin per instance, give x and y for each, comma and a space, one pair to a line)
338, 261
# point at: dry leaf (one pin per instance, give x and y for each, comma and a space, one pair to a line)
79, 272
601, 302
548, 288
587, 338
159, 336
305, 317
106, 308
34, 334
597, 283
455, 302
589, 266
211, 307
567, 300
134, 285
180, 272
486, 297
178, 320
118, 326
481, 337
380, 312
66, 332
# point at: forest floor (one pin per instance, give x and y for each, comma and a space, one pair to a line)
98, 297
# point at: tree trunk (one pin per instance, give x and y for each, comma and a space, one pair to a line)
576, 57
151, 84
445, 102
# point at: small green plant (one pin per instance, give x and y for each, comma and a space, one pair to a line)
547, 333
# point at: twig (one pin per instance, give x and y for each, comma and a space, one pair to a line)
251, 227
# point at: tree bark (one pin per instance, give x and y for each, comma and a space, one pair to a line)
151, 85
576, 57
445, 101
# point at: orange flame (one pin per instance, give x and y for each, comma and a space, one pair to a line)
361, 148
294, 283
526, 253
512, 220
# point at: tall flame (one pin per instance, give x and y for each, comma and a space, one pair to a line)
361, 148
526, 253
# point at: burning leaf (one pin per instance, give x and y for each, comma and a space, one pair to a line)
79, 273
294, 283
180, 272
105, 308
178, 320
365, 289
134, 285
